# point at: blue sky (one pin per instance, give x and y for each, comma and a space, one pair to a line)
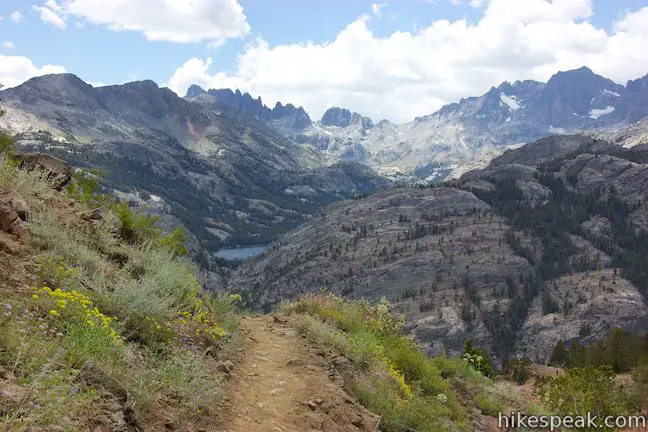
369, 46
101, 55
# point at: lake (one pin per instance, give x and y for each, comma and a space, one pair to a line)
239, 253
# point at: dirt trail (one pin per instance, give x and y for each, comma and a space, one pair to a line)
282, 383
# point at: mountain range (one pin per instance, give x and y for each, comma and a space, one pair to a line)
236, 172
460, 133
227, 177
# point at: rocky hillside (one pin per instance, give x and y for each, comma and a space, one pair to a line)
100, 331
468, 131
543, 245
628, 136
225, 175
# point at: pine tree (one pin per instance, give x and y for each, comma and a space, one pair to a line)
559, 355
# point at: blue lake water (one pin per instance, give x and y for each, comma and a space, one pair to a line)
240, 253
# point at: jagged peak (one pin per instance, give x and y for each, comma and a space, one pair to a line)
343, 117
581, 73
278, 110
195, 90
505, 87
639, 84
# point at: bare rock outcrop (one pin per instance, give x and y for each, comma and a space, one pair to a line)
59, 173
14, 212
589, 306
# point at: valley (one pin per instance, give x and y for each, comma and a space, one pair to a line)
526, 253
331, 205
302, 216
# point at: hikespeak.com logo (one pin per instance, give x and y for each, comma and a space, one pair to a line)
590, 421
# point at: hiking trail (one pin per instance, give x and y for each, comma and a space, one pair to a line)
282, 383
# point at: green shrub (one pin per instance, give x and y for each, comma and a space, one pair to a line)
583, 390
390, 375
6, 144
224, 309
64, 344
85, 186
136, 227
174, 242
518, 370
419, 414
477, 358
488, 405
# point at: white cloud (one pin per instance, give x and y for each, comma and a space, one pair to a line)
16, 16
214, 21
409, 74
377, 8
14, 70
51, 13
8, 45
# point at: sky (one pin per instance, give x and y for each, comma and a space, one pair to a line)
395, 59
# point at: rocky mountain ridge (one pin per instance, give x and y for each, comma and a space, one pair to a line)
287, 115
469, 130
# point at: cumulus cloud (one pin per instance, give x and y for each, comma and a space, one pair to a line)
16, 16
15, 70
8, 45
408, 74
213, 21
51, 13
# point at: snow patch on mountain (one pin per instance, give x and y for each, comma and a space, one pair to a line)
510, 101
596, 113
611, 93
